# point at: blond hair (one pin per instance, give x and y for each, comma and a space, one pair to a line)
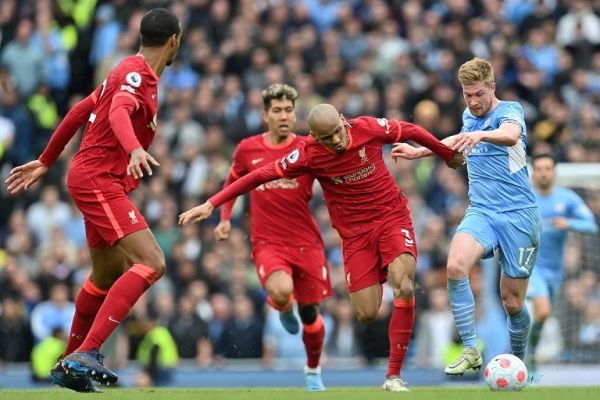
279, 91
475, 71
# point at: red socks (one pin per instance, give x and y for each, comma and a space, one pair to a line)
400, 331
120, 298
88, 302
313, 336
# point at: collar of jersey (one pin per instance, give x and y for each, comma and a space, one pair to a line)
287, 142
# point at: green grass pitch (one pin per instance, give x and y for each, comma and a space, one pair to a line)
418, 393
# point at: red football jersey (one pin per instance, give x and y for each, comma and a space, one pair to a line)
101, 161
357, 185
279, 208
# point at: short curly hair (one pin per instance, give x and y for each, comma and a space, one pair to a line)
279, 91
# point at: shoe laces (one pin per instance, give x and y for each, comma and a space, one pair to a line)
98, 356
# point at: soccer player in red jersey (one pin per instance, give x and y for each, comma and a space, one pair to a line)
120, 118
287, 246
366, 207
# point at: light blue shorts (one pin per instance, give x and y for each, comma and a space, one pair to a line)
544, 285
515, 235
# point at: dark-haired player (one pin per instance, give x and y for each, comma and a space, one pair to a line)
562, 210
120, 118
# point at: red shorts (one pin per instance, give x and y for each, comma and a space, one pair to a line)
306, 265
109, 215
367, 256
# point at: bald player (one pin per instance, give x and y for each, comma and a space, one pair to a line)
366, 207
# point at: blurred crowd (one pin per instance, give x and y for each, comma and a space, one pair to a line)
387, 58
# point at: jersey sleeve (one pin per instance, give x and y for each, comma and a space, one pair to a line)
131, 83
581, 219
127, 99
75, 118
295, 164
513, 114
425, 138
245, 184
389, 131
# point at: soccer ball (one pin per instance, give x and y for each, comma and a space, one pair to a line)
505, 372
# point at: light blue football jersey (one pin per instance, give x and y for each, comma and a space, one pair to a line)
498, 177
567, 204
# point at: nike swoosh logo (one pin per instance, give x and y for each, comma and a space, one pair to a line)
257, 160
111, 319
154, 95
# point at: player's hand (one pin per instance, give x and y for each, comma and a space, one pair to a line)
560, 223
466, 142
139, 162
196, 214
23, 176
405, 150
222, 230
457, 160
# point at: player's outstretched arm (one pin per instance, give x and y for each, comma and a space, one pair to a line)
75, 118
243, 185
580, 218
23, 176
506, 135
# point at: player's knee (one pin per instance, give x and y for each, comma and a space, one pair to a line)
280, 294
279, 297
407, 287
280, 288
156, 261
309, 313
512, 304
455, 269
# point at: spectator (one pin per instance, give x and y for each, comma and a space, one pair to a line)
54, 313
24, 58
16, 339
242, 333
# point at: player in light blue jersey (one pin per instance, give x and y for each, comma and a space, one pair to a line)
502, 216
562, 210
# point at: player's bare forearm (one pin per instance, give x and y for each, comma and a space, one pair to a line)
245, 184
506, 135
449, 141
407, 151
425, 138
